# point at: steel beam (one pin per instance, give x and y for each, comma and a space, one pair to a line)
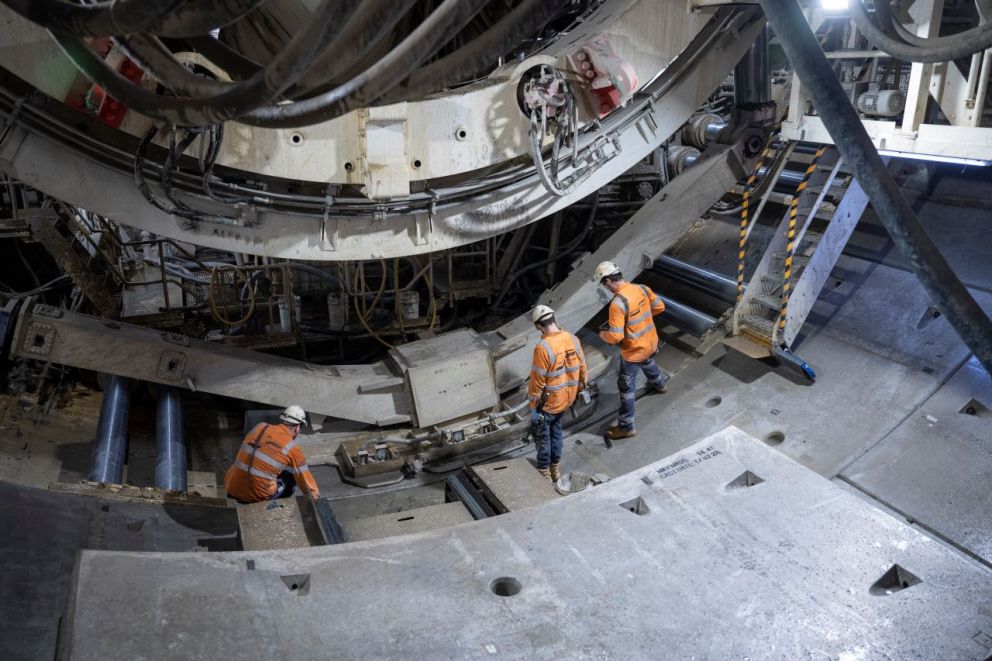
364, 393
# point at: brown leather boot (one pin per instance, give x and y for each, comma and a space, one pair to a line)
555, 473
615, 432
544, 472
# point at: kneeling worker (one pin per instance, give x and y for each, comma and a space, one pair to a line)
632, 327
557, 375
270, 463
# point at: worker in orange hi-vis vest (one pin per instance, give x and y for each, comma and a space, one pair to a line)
631, 325
558, 374
270, 464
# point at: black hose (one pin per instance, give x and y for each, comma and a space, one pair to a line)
291, 63
120, 17
477, 57
231, 61
372, 22
938, 49
201, 16
938, 279
364, 89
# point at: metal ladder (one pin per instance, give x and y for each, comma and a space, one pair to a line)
765, 320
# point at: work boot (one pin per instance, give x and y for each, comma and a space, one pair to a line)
555, 473
544, 472
661, 388
614, 433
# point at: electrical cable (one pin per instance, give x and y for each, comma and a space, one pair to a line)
477, 57
937, 277
365, 88
200, 17
10, 293
105, 19
239, 98
937, 49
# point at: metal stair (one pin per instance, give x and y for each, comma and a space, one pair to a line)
756, 328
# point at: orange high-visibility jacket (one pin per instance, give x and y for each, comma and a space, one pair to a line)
631, 324
559, 365
252, 476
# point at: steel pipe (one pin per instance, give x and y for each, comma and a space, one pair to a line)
688, 319
714, 284
111, 432
170, 442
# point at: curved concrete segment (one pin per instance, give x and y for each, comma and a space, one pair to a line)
725, 550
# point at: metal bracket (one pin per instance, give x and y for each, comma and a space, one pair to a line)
39, 338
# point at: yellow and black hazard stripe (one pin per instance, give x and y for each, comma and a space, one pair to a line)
790, 237
745, 205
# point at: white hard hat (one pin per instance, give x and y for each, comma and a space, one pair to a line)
540, 312
294, 415
604, 269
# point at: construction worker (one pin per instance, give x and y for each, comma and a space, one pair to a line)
269, 463
558, 374
632, 327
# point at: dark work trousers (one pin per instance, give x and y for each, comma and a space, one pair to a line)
627, 383
548, 440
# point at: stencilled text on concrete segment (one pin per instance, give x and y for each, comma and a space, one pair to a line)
685, 463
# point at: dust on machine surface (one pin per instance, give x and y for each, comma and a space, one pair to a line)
610, 328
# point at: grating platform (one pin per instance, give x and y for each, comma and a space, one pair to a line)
403, 523
513, 485
272, 524
726, 550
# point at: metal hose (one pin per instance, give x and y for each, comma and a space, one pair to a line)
935, 274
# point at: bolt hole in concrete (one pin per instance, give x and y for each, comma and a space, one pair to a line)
895, 579
417, 163
39, 340
713, 402
349, 166
974, 407
637, 506
775, 438
505, 586
298, 583
931, 313
745, 479
297, 138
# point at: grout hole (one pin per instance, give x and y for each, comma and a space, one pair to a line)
775, 438
713, 402
417, 163
349, 166
505, 586
296, 138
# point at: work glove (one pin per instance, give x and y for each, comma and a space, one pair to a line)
536, 417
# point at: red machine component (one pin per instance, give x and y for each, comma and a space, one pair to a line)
609, 79
90, 98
